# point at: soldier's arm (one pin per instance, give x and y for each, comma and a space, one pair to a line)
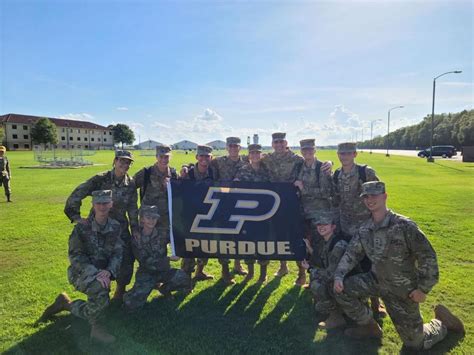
351, 258
327, 274
77, 252
326, 184
139, 178
116, 259
215, 168
370, 174
72, 208
7, 168
132, 210
427, 265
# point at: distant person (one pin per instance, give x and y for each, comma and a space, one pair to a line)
5, 173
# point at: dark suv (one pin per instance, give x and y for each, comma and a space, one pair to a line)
445, 151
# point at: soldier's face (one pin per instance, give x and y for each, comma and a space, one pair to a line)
148, 222
308, 153
279, 146
375, 202
163, 160
326, 230
347, 158
122, 164
1, 153
204, 160
102, 209
233, 150
255, 157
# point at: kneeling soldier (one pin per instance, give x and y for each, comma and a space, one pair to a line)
404, 270
150, 250
95, 253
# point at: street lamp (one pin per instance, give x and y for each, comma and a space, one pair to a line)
430, 158
388, 125
371, 134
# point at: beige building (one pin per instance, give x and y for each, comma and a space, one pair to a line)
71, 134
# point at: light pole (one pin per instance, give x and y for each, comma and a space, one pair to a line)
430, 158
388, 125
371, 134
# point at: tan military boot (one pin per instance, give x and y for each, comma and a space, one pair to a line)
226, 276
61, 303
250, 273
99, 333
301, 279
238, 269
451, 322
378, 309
369, 330
335, 320
283, 270
200, 275
263, 274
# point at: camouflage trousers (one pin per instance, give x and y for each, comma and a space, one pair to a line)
145, 282
324, 300
126, 267
6, 185
188, 264
405, 313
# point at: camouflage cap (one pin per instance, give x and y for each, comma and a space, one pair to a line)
102, 196
255, 148
307, 143
204, 150
346, 147
373, 188
322, 218
232, 140
125, 154
163, 149
2, 148
278, 136
149, 211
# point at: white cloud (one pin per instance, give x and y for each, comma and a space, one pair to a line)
209, 116
77, 116
345, 118
160, 125
121, 108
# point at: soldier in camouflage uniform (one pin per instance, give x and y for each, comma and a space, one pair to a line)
5, 173
324, 256
201, 171
125, 203
95, 253
404, 270
225, 168
150, 249
254, 172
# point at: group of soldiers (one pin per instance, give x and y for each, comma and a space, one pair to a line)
356, 247
5, 173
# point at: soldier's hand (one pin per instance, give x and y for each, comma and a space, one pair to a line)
327, 167
183, 172
338, 286
82, 221
174, 258
417, 296
299, 184
308, 246
136, 235
305, 264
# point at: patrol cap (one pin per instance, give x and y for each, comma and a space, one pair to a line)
373, 188
163, 149
125, 154
346, 147
149, 211
2, 148
204, 150
278, 136
307, 143
232, 140
102, 196
322, 218
255, 148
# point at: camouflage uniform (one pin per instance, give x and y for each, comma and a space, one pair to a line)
153, 267
5, 176
124, 195
402, 260
282, 167
93, 248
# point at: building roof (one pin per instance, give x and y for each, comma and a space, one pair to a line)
60, 122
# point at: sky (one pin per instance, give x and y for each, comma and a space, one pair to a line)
206, 70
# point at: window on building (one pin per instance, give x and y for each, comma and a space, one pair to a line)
25, 128
27, 146
14, 126
105, 139
64, 147
110, 133
70, 130
105, 132
72, 146
78, 138
92, 139
86, 146
63, 138
15, 136
78, 131
70, 138
25, 136
98, 139
62, 130
85, 138
15, 146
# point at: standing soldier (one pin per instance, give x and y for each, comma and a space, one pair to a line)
125, 203
348, 181
254, 172
95, 253
150, 250
5, 173
404, 270
225, 169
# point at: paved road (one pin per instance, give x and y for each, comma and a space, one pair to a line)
409, 153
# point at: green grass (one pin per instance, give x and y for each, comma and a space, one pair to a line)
274, 318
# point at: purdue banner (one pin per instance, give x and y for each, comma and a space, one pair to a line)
243, 220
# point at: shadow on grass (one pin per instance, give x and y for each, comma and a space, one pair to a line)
449, 167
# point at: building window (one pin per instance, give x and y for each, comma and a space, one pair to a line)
105, 139
110, 133
105, 132
92, 139
70, 130
72, 146
62, 130
27, 146
15, 136
86, 146
85, 138
25, 136
78, 138
25, 128
98, 139
78, 131
15, 146
63, 138
14, 126
70, 138
64, 147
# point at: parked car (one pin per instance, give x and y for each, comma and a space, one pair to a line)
445, 151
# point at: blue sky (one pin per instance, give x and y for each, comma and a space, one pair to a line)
206, 70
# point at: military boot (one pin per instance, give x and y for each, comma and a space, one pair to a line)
200, 275
263, 274
378, 309
283, 270
450, 321
251, 272
301, 279
226, 276
61, 303
99, 333
119, 292
9, 198
238, 269
369, 330
335, 320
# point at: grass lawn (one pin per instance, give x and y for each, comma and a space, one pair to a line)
276, 317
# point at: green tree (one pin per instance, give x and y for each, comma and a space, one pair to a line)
44, 132
122, 134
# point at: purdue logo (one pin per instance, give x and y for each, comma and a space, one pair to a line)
232, 207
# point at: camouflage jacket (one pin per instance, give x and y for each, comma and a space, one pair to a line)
124, 196
196, 175
248, 173
151, 251
93, 248
226, 168
283, 167
401, 255
325, 258
5, 167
